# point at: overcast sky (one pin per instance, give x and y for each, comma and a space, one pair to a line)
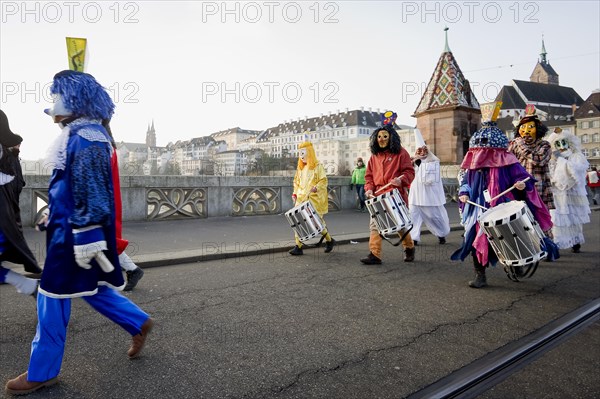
199, 67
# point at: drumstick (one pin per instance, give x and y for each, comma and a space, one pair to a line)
473, 203
104, 263
387, 185
507, 190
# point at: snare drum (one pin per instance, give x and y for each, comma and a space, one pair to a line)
513, 233
305, 221
389, 212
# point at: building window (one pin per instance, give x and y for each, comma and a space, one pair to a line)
596, 123
596, 138
585, 139
596, 152
585, 152
585, 125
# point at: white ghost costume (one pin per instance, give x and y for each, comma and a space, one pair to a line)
568, 168
426, 196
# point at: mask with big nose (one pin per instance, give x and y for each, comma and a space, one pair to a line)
528, 131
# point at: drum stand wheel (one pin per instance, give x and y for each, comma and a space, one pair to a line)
514, 273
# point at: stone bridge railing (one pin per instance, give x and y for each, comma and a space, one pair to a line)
150, 198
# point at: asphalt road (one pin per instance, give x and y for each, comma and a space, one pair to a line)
322, 326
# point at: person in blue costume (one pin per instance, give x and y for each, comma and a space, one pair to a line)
490, 166
81, 256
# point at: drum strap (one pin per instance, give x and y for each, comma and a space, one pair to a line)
401, 238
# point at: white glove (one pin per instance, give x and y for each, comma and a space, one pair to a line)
85, 253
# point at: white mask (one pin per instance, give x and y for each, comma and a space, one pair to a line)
302, 154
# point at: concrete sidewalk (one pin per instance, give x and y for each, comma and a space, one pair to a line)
161, 243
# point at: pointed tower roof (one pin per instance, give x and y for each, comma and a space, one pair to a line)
447, 87
543, 52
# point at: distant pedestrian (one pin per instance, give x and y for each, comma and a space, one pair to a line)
81, 248
358, 181
593, 182
13, 247
426, 197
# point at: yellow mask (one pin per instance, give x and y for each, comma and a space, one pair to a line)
528, 131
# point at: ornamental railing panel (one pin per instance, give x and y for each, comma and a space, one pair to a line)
176, 203
334, 198
251, 201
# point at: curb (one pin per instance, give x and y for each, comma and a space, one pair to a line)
195, 256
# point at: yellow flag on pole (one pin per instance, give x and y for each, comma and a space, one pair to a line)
76, 53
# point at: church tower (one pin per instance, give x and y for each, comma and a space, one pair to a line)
543, 71
151, 136
448, 112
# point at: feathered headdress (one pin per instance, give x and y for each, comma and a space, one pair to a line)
79, 94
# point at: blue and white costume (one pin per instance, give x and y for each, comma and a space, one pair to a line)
81, 224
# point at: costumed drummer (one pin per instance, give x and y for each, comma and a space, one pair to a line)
13, 247
533, 152
310, 184
426, 196
490, 166
568, 169
389, 167
81, 256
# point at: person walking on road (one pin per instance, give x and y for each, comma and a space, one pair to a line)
81, 248
389, 167
426, 196
13, 247
593, 182
133, 272
310, 184
572, 208
491, 168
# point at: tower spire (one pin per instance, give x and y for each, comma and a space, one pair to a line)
543, 52
446, 47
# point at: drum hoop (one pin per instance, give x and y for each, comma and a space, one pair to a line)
506, 219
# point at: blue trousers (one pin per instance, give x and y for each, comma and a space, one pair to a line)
48, 346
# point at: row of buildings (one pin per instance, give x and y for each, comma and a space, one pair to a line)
447, 115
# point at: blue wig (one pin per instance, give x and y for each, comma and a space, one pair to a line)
83, 95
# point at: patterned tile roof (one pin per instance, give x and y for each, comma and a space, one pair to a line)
447, 87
